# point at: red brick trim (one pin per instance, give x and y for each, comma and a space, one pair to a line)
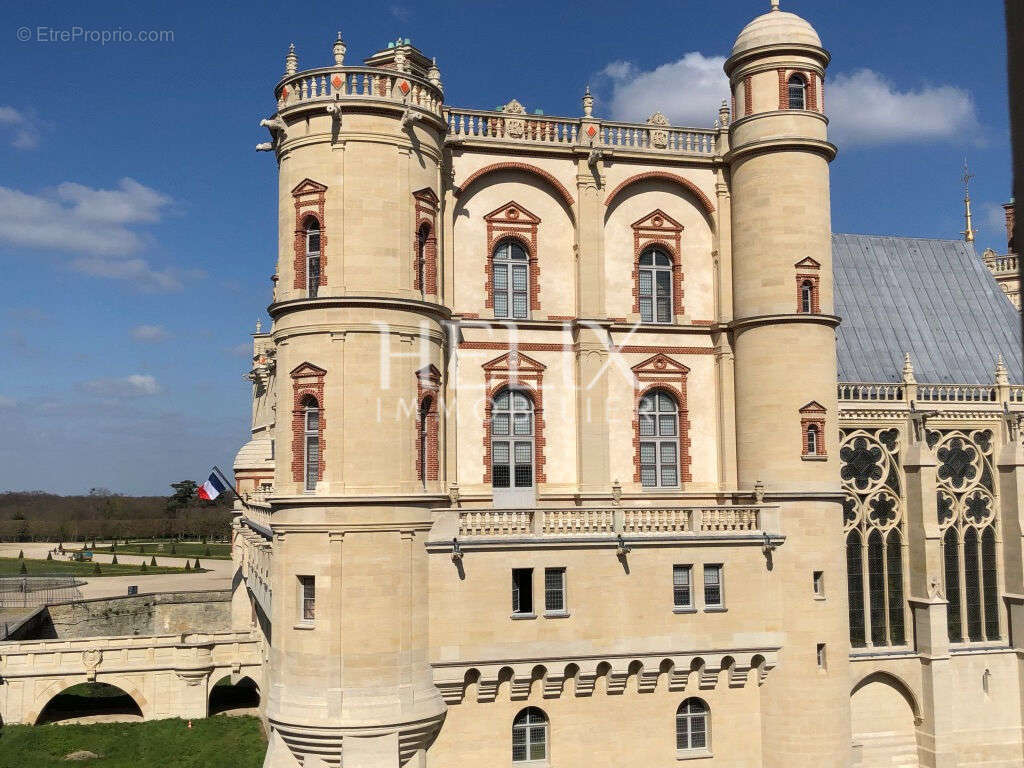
428, 387
748, 96
686, 184
662, 373
309, 197
812, 414
524, 373
525, 168
307, 380
815, 302
810, 92
811, 81
783, 90
512, 221
658, 228
523, 346
425, 204
563, 318
665, 350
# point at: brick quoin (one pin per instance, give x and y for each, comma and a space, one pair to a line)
662, 373
748, 97
309, 197
307, 380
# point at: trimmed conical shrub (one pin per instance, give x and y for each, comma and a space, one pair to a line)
197, 566
23, 569
114, 561
144, 566
21, 554
153, 560
49, 555
188, 566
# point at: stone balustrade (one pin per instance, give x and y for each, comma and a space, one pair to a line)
930, 393
1002, 265
330, 84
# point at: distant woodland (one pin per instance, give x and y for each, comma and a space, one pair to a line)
102, 514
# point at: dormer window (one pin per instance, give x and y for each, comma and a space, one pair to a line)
797, 92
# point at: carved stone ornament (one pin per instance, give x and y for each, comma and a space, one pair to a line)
659, 134
91, 659
514, 127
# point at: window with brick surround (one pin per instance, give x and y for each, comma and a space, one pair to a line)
310, 198
659, 440
311, 442
797, 92
511, 280
307, 391
512, 448
422, 236
812, 431
312, 257
425, 242
655, 287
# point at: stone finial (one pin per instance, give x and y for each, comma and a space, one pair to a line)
434, 74
774, 5
723, 114
908, 370
616, 493
291, 61
259, 325
588, 103
339, 51
1002, 375
759, 492
514, 108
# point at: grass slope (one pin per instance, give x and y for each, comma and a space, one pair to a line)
191, 549
216, 742
11, 566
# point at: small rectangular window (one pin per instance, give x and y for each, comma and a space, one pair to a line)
819, 583
307, 598
554, 589
713, 586
682, 596
821, 656
522, 590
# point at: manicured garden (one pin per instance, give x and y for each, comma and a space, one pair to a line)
216, 742
16, 566
191, 549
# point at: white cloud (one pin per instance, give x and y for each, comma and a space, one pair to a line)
135, 385
865, 108
24, 127
139, 271
688, 91
994, 220
6, 402
241, 350
152, 333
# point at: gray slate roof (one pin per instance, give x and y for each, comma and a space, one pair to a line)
932, 298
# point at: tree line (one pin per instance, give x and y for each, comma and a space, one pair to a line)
103, 514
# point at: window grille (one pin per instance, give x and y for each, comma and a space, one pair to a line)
511, 280
894, 574
692, 725
712, 586
307, 598
512, 446
530, 736
659, 440
421, 257
682, 596
988, 568
797, 92
972, 586
312, 258
655, 288
311, 416
876, 588
522, 590
855, 582
952, 573
554, 589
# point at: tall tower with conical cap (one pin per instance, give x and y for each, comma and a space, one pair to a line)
785, 368
358, 327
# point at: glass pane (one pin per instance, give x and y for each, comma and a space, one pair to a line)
876, 589
646, 310
952, 573
313, 243
520, 401
972, 586
855, 590
664, 315
499, 424
988, 569
711, 575
681, 576
499, 452
537, 745
645, 282
647, 259
501, 305
501, 402
668, 453
648, 453
501, 475
665, 402
524, 476
667, 425
519, 277
664, 282
894, 566
500, 277
668, 477
646, 425
647, 403
312, 421
661, 260
516, 251
522, 423
519, 310
698, 738
649, 477
524, 453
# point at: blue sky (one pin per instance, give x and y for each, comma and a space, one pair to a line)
138, 226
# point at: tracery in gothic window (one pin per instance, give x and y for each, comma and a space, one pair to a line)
874, 522
967, 511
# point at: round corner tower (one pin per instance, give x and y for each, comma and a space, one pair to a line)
785, 369
359, 333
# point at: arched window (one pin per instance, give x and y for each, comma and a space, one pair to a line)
876, 588
855, 585
797, 92
423, 439
312, 257
988, 569
972, 586
655, 287
311, 423
693, 725
512, 440
659, 440
894, 576
807, 297
812, 439
511, 280
951, 560
530, 736
421, 257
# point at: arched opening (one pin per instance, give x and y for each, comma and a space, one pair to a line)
883, 719
91, 703
240, 698
797, 92
693, 725
530, 736
655, 286
312, 230
311, 441
812, 440
807, 297
511, 280
658, 423
855, 586
423, 440
512, 446
422, 236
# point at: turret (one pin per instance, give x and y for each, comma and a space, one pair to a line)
359, 342
785, 369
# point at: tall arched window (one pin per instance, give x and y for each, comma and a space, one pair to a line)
659, 440
511, 280
693, 726
797, 92
894, 583
312, 257
812, 440
655, 287
807, 297
423, 439
311, 423
421, 257
512, 440
530, 736
876, 588
988, 568
972, 586
951, 558
855, 585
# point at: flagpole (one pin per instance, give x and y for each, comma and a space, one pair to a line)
230, 484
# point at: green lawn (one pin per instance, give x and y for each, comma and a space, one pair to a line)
11, 566
190, 549
216, 742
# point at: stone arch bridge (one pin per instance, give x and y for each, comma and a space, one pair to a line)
166, 675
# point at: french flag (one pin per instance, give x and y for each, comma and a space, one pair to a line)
212, 488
